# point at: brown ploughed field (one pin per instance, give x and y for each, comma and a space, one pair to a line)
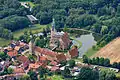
111, 51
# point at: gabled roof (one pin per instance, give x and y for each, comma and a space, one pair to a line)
73, 52
22, 58
61, 57
34, 66
43, 58
12, 53
18, 70
54, 68
45, 51
17, 48
32, 18
53, 63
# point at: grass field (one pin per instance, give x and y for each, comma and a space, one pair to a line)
4, 42
55, 77
38, 28
90, 52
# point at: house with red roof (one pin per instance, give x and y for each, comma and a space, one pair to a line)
24, 60
55, 68
73, 52
34, 66
54, 63
12, 53
18, 70
43, 60
60, 57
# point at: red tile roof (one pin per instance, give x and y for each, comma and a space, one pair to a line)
34, 66
45, 51
22, 58
17, 48
43, 58
18, 70
53, 63
73, 52
61, 57
22, 44
54, 68
12, 53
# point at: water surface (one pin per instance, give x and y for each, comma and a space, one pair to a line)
87, 40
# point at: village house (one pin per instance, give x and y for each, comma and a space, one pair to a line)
73, 53
12, 53
60, 57
18, 70
24, 61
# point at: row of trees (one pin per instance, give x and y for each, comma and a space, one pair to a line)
100, 61
97, 61
90, 74
14, 22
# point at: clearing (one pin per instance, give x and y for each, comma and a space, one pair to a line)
4, 42
28, 2
111, 51
36, 29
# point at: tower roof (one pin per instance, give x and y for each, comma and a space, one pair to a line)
53, 25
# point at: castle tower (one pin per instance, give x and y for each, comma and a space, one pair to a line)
31, 47
53, 25
53, 28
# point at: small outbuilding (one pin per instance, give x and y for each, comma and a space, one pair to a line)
32, 19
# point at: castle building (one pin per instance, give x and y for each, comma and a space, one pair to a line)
59, 40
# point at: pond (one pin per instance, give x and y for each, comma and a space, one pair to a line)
87, 40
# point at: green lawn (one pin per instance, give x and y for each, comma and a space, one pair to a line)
90, 52
118, 75
79, 59
30, 3
55, 77
4, 42
78, 45
38, 28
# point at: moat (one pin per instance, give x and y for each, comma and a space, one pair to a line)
87, 40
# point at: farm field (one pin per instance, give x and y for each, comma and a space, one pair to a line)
111, 51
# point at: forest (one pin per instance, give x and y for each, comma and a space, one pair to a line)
100, 16
12, 17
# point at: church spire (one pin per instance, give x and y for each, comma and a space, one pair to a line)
53, 25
